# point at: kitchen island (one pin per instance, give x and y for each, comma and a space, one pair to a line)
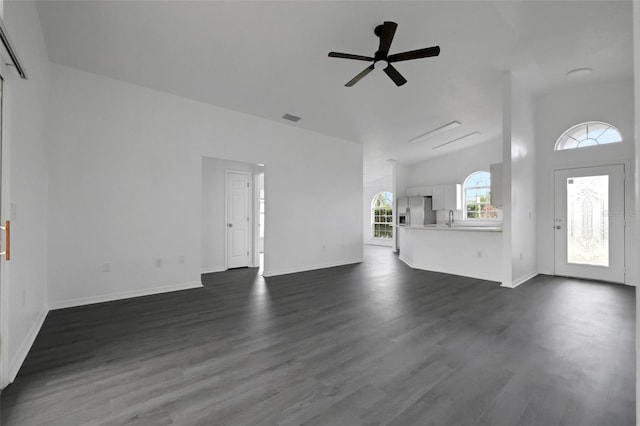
471, 251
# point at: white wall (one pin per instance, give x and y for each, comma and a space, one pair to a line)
125, 188
455, 167
399, 176
25, 142
370, 190
555, 112
507, 267
213, 210
523, 185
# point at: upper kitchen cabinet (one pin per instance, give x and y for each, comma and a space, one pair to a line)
420, 191
447, 197
496, 185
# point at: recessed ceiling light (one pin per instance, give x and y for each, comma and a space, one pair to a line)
436, 131
457, 139
291, 118
579, 72
260, 164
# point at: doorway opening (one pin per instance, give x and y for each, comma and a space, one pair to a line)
230, 215
589, 225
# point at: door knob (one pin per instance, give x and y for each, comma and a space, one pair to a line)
230, 225
558, 227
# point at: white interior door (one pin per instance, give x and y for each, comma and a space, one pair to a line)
589, 223
238, 219
4, 325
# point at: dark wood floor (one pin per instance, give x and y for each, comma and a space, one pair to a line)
375, 343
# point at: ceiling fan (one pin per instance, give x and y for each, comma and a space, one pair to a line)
382, 59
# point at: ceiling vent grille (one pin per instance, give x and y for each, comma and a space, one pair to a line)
291, 118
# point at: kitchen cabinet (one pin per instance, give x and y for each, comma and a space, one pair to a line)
447, 197
496, 185
420, 191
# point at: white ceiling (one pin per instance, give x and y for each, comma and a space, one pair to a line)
269, 58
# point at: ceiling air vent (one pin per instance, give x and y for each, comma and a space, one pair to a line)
291, 118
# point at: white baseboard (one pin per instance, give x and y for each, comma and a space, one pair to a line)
515, 283
409, 264
22, 353
273, 273
378, 243
123, 295
212, 270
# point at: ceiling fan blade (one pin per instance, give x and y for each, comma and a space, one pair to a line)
393, 73
388, 31
350, 56
415, 54
358, 77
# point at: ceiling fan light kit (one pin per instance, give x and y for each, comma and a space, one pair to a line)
382, 60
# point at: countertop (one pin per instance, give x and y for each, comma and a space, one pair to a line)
455, 227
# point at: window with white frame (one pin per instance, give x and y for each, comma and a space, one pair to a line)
477, 197
382, 215
592, 133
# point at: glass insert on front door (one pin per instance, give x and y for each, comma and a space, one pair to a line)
587, 220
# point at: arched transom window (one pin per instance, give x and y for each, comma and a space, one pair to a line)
477, 197
588, 134
382, 215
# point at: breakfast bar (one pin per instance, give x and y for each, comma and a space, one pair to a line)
471, 251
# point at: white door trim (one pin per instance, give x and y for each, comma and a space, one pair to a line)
255, 259
226, 216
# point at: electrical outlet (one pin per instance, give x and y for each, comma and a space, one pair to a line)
106, 267
158, 263
479, 253
182, 260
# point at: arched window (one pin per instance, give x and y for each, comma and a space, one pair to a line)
477, 197
588, 134
382, 215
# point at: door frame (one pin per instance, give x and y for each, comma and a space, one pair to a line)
255, 259
625, 190
249, 212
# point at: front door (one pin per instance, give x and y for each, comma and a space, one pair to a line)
589, 223
238, 221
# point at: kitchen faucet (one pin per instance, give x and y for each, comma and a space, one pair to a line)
450, 222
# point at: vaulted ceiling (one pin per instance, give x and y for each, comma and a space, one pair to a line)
270, 58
